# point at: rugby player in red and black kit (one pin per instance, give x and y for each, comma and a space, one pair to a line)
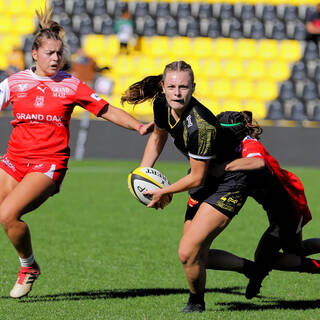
282, 196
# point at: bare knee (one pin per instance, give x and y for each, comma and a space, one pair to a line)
7, 218
188, 253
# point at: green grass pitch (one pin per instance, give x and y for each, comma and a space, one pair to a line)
105, 256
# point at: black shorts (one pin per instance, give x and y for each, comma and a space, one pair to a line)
226, 194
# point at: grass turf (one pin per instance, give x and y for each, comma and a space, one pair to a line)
105, 256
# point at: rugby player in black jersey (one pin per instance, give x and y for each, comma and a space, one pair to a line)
197, 134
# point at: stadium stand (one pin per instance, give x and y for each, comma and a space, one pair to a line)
245, 54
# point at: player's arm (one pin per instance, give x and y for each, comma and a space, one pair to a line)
4, 94
124, 119
192, 180
154, 147
251, 163
312, 28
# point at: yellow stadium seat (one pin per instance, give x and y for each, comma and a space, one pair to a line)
23, 25
8, 41
122, 83
195, 65
36, 5
233, 68
123, 65
278, 70
142, 110
94, 45
181, 47
266, 90
224, 48
211, 68
268, 49
3, 62
6, 24
255, 70
203, 47
257, 107
156, 46
246, 48
17, 7
211, 104
111, 45
202, 87
243, 89
146, 66
290, 50
231, 105
220, 88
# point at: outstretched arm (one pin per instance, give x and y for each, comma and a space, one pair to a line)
251, 163
124, 119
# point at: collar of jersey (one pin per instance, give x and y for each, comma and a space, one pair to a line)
34, 75
169, 114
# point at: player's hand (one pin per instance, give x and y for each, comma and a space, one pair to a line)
146, 128
159, 200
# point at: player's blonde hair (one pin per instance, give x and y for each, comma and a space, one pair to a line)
48, 29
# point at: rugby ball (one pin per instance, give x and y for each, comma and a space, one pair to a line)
144, 179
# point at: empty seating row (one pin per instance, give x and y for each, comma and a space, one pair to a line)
223, 9
84, 23
294, 109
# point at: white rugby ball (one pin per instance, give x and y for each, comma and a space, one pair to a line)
145, 179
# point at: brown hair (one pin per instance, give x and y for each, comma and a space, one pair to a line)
150, 87
252, 127
48, 29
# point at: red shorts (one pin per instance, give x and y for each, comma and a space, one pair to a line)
18, 170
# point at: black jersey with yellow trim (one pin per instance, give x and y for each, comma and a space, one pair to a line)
195, 133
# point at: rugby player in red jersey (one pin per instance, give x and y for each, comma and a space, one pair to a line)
282, 196
35, 164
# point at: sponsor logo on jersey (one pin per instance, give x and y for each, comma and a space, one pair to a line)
36, 117
60, 92
22, 86
189, 121
42, 88
39, 101
95, 96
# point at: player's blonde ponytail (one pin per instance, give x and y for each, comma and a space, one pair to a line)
48, 29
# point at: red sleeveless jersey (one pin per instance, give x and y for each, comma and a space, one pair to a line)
42, 108
253, 148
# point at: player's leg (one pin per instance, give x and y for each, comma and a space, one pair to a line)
217, 259
193, 251
265, 254
26, 195
227, 261
294, 256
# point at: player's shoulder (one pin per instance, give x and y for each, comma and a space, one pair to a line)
203, 114
249, 143
24, 74
249, 139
